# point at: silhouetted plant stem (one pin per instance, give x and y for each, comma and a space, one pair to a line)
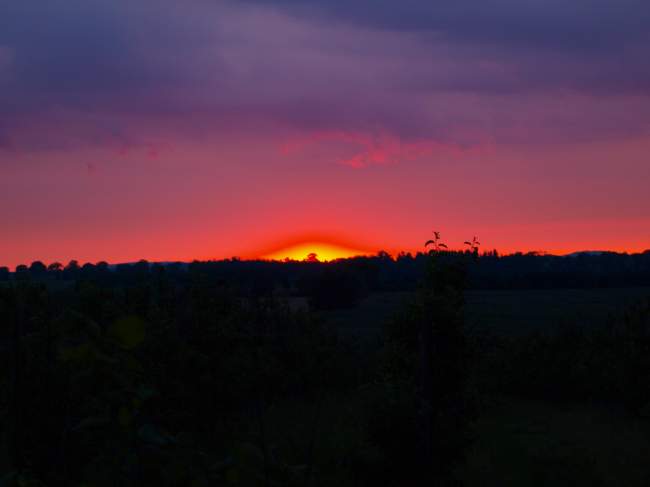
261, 420
426, 390
51, 388
312, 440
63, 459
16, 403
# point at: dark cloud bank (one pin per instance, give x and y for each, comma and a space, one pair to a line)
116, 72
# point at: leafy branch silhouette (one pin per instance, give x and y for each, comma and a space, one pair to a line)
473, 245
436, 244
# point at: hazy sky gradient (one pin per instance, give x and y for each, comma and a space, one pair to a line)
178, 130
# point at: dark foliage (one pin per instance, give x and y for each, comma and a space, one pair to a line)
154, 384
335, 288
173, 375
421, 423
606, 364
205, 374
369, 274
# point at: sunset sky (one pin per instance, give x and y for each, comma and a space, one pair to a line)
200, 129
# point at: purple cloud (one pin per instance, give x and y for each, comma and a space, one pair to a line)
125, 74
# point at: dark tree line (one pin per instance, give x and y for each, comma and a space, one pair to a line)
370, 274
250, 277
201, 374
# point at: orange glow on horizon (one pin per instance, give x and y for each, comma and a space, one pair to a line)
324, 252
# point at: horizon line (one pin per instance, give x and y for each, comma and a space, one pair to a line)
394, 255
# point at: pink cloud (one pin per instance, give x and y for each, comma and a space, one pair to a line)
360, 150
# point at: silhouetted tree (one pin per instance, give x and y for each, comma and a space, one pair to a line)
71, 270
422, 417
37, 269
22, 272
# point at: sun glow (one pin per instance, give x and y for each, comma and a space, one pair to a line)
317, 250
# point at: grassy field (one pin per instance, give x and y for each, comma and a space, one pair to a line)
503, 312
516, 312
536, 443
543, 444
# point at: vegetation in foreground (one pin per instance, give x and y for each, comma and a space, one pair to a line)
149, 375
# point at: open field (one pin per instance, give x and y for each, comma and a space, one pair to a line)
502, 312
517, 442
515, 312
535, 443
